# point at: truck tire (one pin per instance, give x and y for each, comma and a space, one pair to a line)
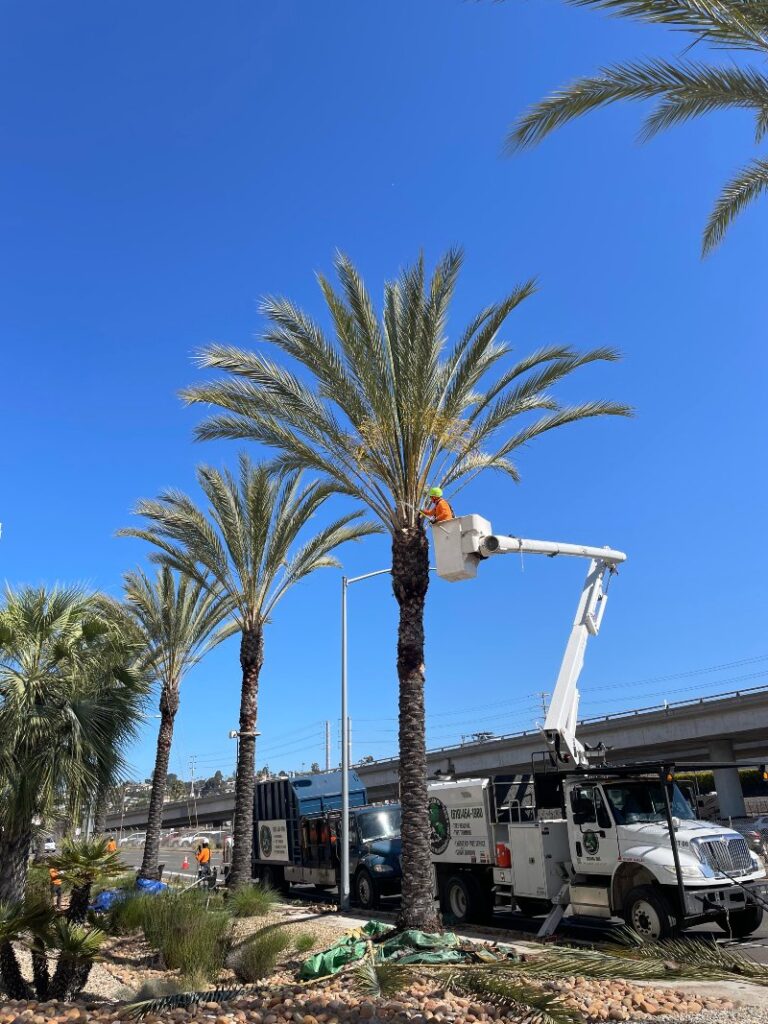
649, 914
457, 893
740, 923
366, 894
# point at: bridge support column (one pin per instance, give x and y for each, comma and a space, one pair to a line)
727, 781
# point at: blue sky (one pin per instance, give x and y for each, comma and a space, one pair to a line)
163, 166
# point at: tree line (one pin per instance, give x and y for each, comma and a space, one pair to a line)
368, 415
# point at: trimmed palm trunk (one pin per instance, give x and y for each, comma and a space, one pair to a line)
169, 705
410, 579
251, 660
14, 861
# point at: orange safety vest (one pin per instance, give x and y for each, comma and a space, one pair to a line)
440, 511
55, 879
204, 856
111, 846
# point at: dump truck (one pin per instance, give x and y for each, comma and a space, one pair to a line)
297, 836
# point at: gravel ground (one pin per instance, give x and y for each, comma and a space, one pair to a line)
130, 964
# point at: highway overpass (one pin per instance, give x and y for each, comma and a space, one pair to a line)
725, 727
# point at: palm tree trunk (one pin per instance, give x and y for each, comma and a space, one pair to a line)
79, 898
14, 861
169, 705
100, 811
251, 660
410, 579
41, 974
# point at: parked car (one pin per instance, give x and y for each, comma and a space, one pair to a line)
49, 845
756, 833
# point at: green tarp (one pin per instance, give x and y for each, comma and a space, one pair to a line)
410, 947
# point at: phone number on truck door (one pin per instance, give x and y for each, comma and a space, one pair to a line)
463, 813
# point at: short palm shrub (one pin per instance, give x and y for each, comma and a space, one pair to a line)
251, 901
257, 958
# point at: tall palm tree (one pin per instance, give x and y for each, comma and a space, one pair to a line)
382, 410
683, 88
179, 620
246, 545
69, 701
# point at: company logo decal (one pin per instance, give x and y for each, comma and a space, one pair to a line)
439, 826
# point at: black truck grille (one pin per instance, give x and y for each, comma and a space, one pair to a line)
731, 855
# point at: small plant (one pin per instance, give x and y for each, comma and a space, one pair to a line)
83, 863
257, 958
251, 901
303, 942
188, 937
126, 915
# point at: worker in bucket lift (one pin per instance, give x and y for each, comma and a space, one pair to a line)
439, 511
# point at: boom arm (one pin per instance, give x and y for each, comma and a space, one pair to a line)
461, 544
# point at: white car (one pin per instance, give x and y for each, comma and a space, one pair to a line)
49, 846
756, 833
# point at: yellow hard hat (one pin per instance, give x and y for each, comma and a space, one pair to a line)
435, 492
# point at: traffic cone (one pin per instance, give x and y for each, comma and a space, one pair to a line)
185, 863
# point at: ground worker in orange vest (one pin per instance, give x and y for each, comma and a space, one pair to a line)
55, 887
203, 857
111, 845
439, 510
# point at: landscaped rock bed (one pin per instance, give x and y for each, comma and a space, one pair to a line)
336, 1003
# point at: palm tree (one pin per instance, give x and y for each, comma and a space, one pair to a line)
381, 411
683, 88
83, 862
179, 621
245, 545
69, 700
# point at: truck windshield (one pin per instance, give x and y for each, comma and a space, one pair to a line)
633, 802
382, 823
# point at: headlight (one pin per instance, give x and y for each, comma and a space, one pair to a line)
687, 870
381, 868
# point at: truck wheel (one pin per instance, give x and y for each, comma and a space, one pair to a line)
740, 923
461, 899
365, 890
649, 914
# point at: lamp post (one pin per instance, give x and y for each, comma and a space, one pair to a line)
235, 734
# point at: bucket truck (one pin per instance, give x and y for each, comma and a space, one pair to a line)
577, 835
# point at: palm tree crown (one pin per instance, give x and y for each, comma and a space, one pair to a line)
391, 410
245, 546
70, 698
684, 89
178, 620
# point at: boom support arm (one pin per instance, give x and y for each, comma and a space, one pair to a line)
461, 544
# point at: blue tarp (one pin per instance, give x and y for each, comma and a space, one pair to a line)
107, 899
148, 885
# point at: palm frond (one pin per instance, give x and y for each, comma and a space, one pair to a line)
162, 1004
737, 23
381, 980
515, 997
689, 89
750, 183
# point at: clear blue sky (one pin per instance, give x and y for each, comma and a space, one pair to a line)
165, 165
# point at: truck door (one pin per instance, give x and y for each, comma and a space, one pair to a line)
592, 834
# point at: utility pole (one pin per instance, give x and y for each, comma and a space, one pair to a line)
327, 746
544, 696
192, 760
349, 740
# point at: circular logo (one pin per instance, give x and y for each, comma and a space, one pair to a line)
591, 842
439, 826
265, 840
